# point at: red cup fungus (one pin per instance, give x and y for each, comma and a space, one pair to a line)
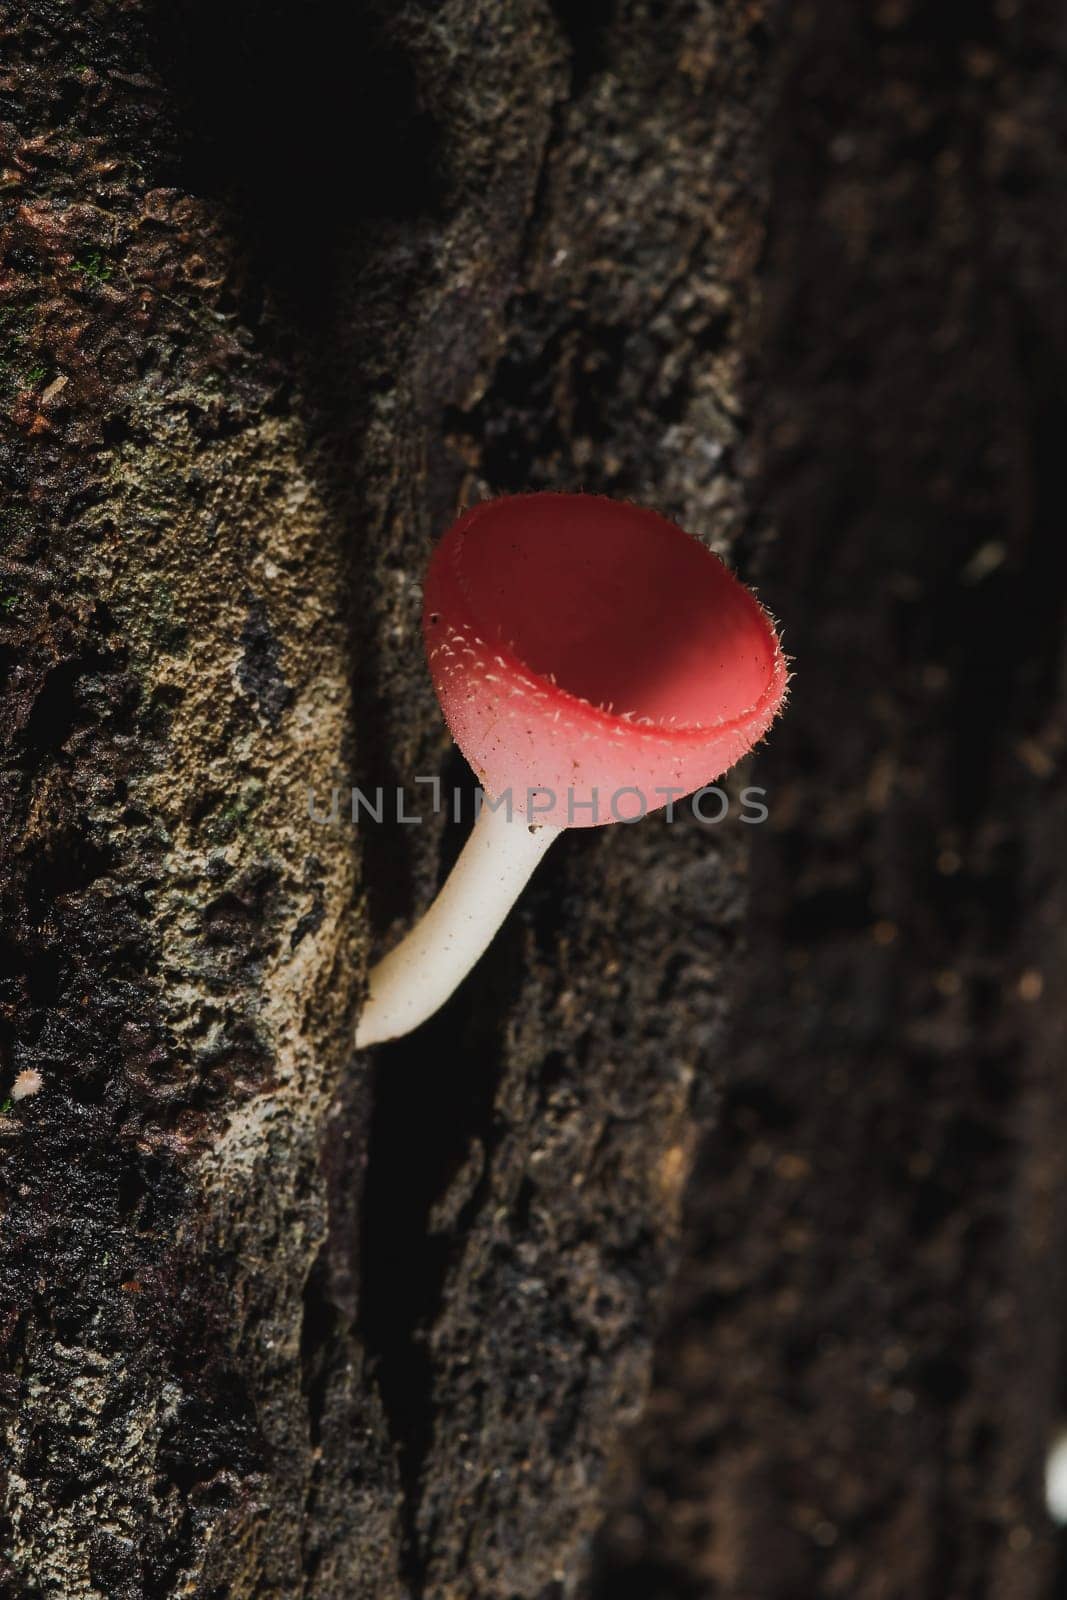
593, 662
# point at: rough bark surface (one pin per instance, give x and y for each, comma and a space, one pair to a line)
865, 1362
282, 285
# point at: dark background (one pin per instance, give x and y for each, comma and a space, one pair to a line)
865, 1360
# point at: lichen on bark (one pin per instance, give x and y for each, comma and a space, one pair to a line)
271, 1328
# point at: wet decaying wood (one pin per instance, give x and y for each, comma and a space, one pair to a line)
283, 286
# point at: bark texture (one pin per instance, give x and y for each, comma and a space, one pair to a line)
865, 1362
282, 286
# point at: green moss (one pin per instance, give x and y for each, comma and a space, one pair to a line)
227, 822
94, 267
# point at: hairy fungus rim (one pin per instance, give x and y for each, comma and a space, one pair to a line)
773, 695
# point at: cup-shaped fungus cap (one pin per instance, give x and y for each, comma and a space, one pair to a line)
592, 652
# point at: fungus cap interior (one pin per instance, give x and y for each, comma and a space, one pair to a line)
619, 605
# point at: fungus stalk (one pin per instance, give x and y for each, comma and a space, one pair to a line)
416, 978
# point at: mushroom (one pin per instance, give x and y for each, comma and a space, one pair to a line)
593, 662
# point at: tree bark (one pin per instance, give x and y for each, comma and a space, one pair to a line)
283, 286
864, 1363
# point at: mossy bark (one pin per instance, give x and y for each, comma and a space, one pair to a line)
283, 286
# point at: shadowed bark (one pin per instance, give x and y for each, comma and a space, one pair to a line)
864, 1365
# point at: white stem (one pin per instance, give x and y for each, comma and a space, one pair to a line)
414, 980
